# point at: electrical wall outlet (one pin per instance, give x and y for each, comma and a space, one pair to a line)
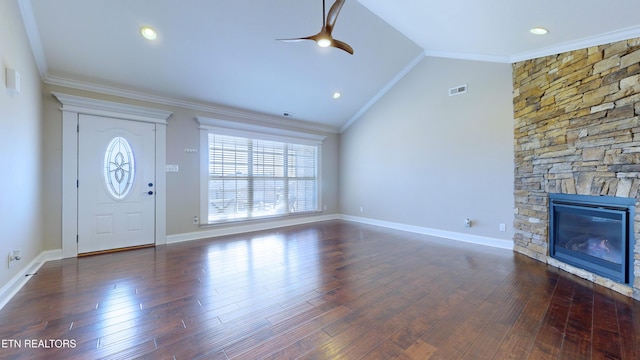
15, 255
195, 220
503, 227
467, 222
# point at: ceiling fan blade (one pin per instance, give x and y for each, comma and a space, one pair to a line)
312, 37
342, 46
332, 16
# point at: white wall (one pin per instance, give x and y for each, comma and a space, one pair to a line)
21, 166
420, 157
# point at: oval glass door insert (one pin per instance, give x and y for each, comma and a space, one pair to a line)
119, 167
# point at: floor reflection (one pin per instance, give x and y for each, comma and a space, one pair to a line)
254, 267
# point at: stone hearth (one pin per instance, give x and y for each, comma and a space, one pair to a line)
577, 131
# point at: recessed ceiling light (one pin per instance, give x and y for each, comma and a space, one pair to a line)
336, 95
148, 33
539, 31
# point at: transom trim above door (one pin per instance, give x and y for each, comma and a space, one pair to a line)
72, 108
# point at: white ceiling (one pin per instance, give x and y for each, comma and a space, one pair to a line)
222, 56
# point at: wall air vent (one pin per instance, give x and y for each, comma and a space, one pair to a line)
458, 90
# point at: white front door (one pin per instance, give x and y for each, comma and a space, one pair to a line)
116, 183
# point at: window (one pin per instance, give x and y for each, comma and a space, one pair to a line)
251, 175
119, 168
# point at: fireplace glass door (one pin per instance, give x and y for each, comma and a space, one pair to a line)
594, 238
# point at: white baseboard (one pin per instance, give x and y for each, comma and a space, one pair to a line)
244, 228
239, 229
14, 285
469, 238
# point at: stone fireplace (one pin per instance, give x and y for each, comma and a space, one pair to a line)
577, 132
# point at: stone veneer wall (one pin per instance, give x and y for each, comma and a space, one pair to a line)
577, 131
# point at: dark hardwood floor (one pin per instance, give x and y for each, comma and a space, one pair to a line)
332, 290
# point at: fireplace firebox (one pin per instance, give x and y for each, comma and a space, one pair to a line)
594, 233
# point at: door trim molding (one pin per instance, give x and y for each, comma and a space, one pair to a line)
72, 107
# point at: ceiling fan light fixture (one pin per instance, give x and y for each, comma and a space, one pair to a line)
324, 42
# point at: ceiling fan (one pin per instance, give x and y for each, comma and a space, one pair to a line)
324, 38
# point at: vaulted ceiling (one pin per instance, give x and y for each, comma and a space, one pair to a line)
223, 56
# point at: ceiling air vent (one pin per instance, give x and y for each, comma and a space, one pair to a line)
458, 90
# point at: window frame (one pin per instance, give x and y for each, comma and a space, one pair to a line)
251, 131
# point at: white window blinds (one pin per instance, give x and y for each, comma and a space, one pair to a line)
254, 178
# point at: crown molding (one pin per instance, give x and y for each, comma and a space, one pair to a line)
219, 111
31, 28
466, 56
601, 39
607, 38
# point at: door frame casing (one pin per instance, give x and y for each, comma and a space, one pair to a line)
72, 107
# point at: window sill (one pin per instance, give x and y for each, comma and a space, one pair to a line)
265, 219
